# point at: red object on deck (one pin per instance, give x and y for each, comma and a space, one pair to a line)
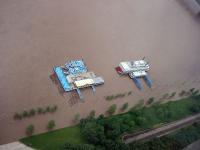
119, 70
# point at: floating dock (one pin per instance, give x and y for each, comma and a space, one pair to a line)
74, 75
136, 70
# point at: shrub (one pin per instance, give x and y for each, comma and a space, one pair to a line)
109, 98
53, 109
182, 93
39, 110
192, 90
30, 130
44, 111
101, 116
17, 116
25, 114
196, 92
129, 93
165, 96
32, 112
77, 118
51, 125
124, 106
47, 109
172, 95
195, 109
138, 106
150, 100
70, 146
111, 110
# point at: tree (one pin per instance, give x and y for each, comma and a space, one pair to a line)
30, 130
93, 133
124, 106
92, 114
39, 110
140, 120
51, 125
77, 118
111, 110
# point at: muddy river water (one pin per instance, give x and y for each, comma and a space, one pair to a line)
37, 35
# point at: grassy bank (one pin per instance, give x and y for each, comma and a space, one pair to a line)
174, 141
55, 139
105, 132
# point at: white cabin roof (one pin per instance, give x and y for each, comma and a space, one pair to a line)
134, 66
139, 73
85, 82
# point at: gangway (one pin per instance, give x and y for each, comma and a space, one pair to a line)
148, 81
137, 83
79, 93
93, 88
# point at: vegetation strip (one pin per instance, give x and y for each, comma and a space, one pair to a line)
129, 138
105, 133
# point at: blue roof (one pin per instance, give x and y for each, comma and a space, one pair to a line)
76, 67
62, 78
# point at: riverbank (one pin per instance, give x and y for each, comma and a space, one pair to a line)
132, 121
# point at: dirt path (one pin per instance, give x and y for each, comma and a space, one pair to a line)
129, 138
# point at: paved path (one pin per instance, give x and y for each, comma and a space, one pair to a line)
15, 146
129, 138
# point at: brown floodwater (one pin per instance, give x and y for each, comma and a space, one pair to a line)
37, 35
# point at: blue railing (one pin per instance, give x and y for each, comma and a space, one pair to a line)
62, 78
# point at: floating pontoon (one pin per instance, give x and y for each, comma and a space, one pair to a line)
136, 70
74, 76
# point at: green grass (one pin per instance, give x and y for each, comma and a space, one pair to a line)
177, 110
55, 139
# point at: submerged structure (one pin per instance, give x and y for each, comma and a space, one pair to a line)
136, 70
74, 75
